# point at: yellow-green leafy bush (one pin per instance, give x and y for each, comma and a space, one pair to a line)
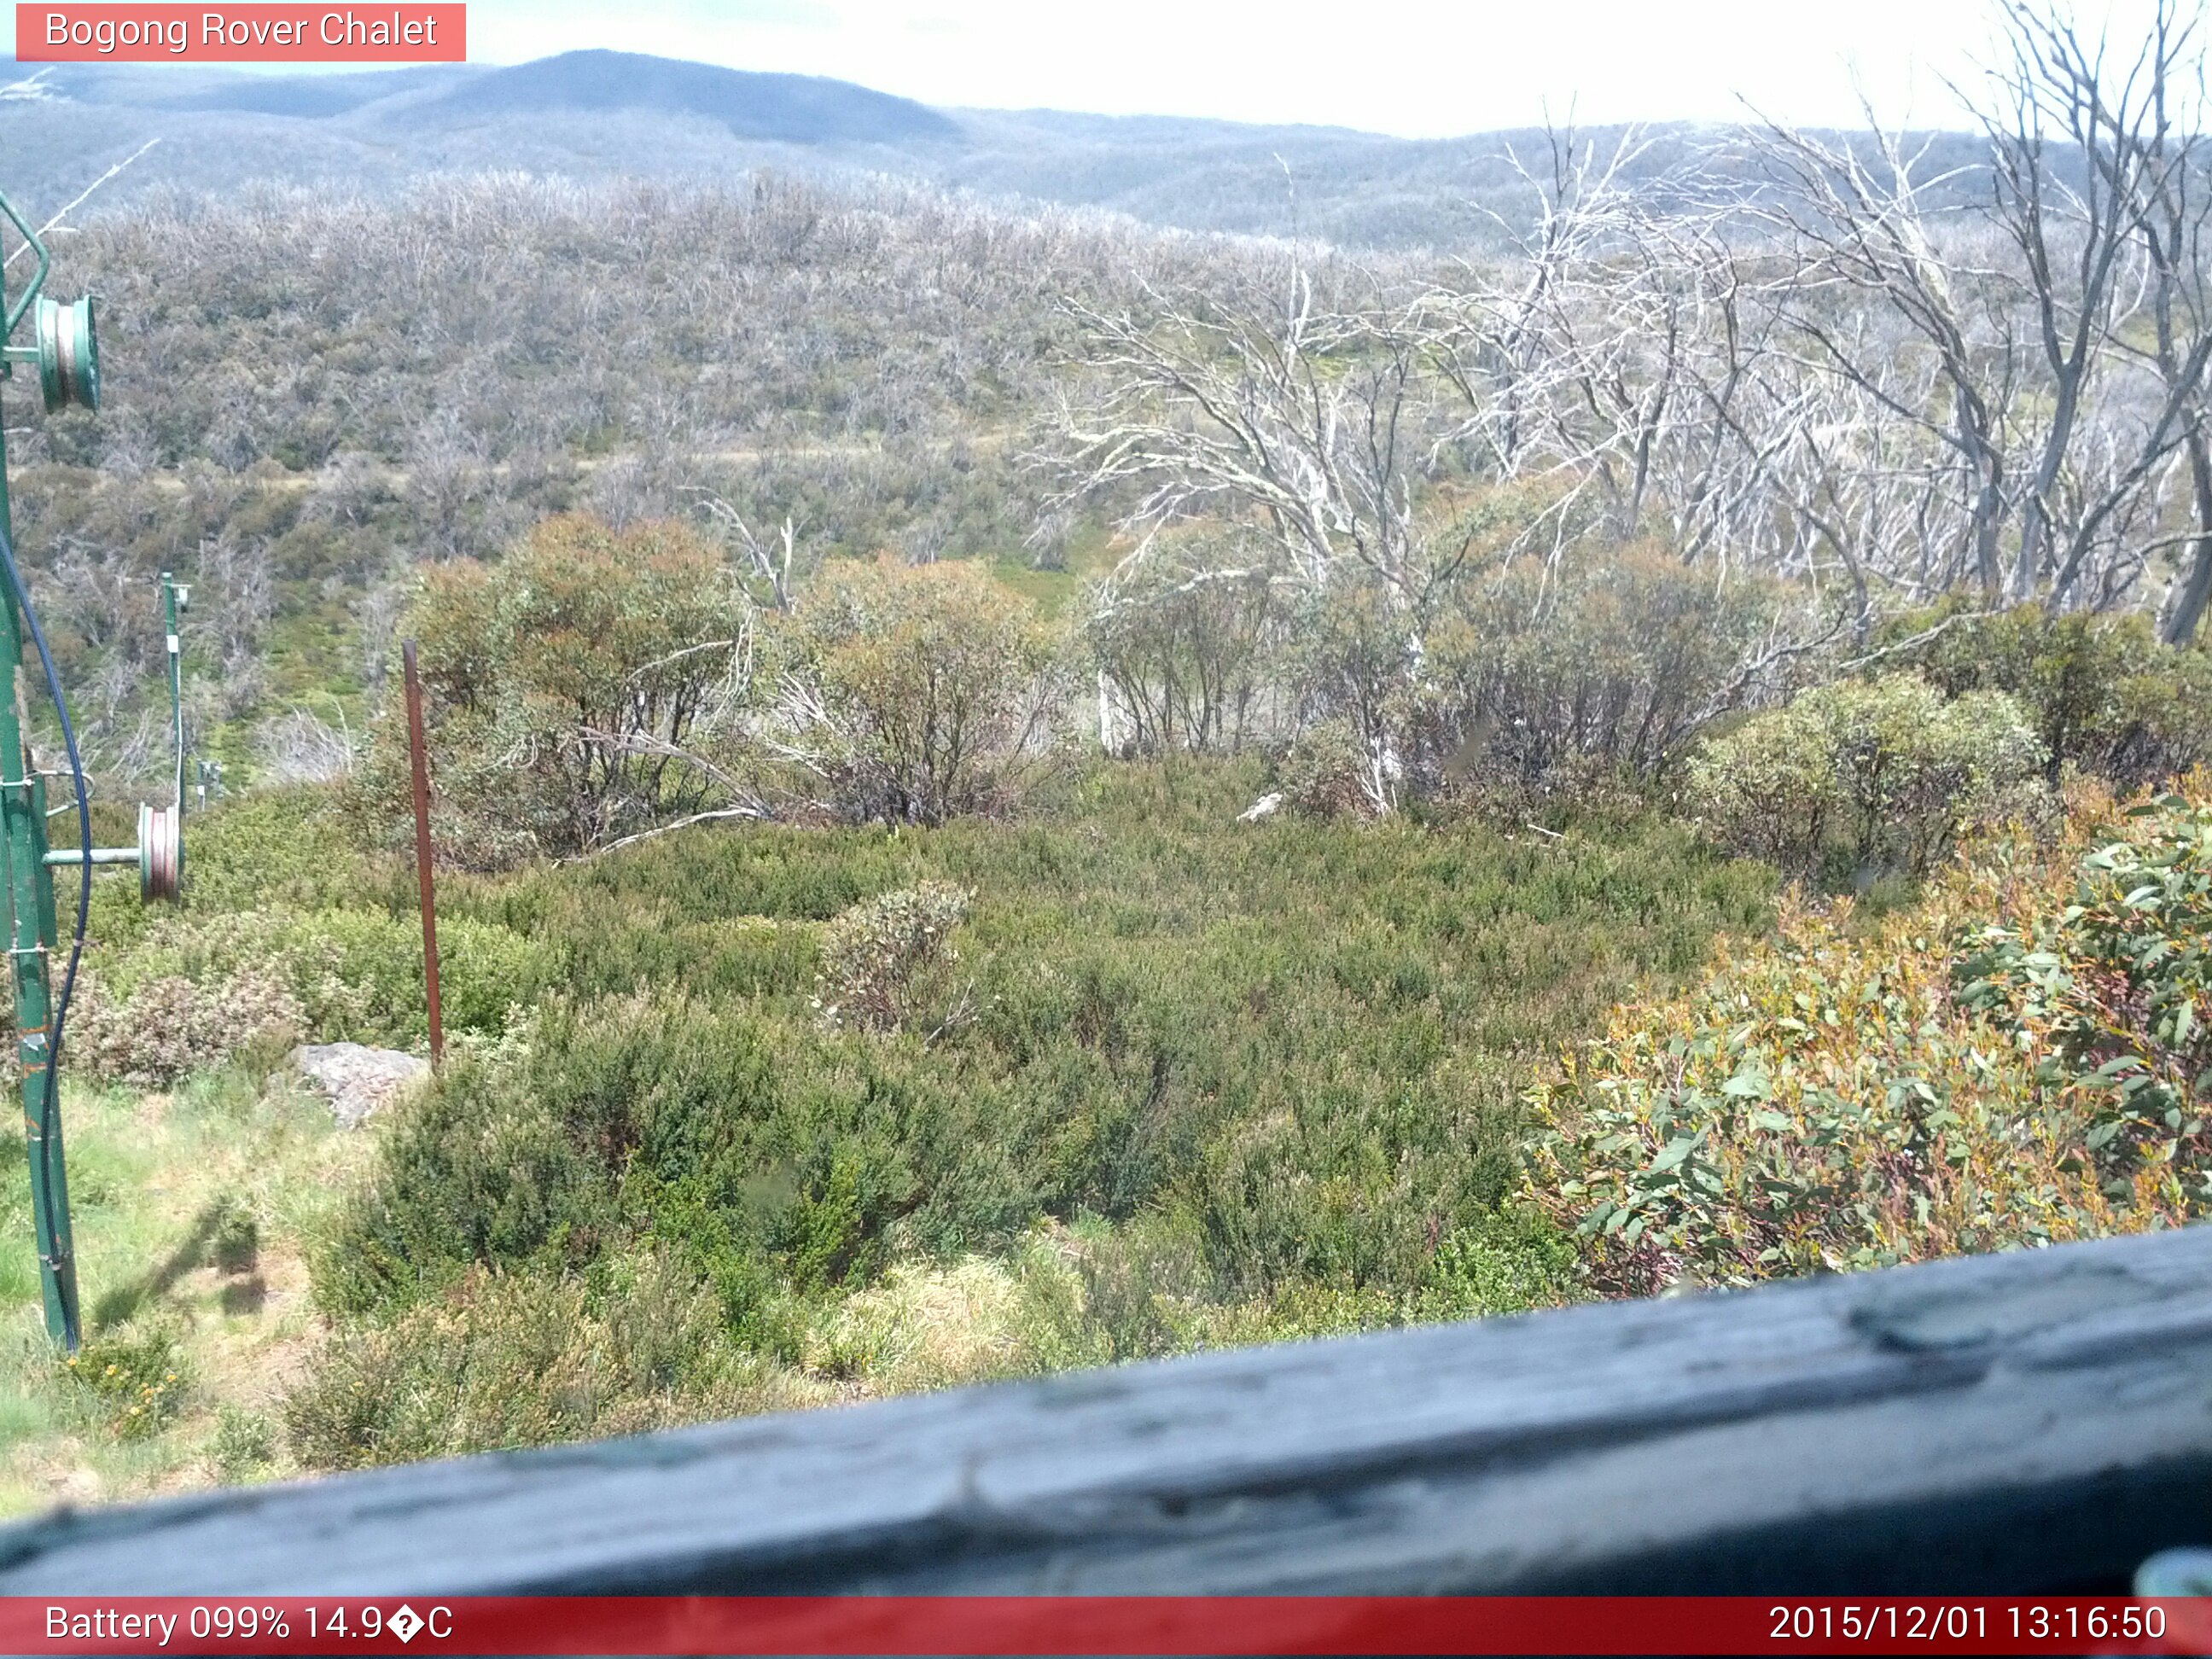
914, 693
2121, 979
562, 686
1836, 1099
1885, 773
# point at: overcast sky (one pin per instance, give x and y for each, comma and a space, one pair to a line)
1417, 67
1420, 67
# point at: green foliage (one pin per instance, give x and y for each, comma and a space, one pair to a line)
198, 988
136, 1378
877, 955
1832, 1100
561, 686
1351, 664
1883, 774
509, 1361
1609, 661
927, 689
1260, 1078
2120, 979
244, 1444
1513, 1259
1327, 772
295, 847
1187, 638
2103, 693
171, 1026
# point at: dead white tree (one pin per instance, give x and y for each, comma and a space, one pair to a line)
1861, 236
1309, 417
2047, 330
769, 563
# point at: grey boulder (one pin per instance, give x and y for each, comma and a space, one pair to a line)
358, 1080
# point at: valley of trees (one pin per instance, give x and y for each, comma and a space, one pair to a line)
1018, 791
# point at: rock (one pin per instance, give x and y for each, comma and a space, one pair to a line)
358, 1080
1266, 807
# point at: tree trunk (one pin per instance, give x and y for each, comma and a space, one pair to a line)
2187, 608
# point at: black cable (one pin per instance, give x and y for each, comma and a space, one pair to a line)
50, 1108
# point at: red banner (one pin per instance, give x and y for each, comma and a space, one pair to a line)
366, 33
1070, 1624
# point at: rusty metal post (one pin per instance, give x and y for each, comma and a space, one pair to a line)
417, 753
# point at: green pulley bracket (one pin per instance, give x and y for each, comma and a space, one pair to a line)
69, 354
159, 854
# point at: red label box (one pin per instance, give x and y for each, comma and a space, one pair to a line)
262, 33
1009, 1626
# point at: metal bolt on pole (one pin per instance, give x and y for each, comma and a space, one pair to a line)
417, 753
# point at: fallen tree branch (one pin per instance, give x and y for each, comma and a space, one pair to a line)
757, 813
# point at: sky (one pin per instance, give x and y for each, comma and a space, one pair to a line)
1415, 68
1420, 69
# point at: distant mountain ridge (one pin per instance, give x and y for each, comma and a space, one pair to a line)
636, 116
803, 109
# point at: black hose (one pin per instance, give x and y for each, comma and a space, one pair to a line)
50, 1107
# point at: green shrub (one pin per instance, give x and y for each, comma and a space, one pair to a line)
1833, 1099
1327, 772
1885, 773
1139, 1285
1512, 1261
198, 988
560, 687
882, 955
369, 966
2120, 979
135, 1377
771, 1152
234, 1246
1606, 662
507, 1361
922, 692
1246, 1084
2105, 695
171, 1026
2102, 692
295, 847
1187, 637
244, 1444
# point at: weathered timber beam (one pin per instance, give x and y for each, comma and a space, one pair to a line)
2029, 1422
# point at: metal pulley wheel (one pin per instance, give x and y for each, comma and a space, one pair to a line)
161, 854
69, 354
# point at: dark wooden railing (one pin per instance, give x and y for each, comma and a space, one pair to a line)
2034, 1422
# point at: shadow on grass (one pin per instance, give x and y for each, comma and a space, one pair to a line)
220, 1234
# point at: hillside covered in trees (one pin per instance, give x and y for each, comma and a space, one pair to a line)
1017, 790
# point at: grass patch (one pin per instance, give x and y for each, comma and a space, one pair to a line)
193, 1214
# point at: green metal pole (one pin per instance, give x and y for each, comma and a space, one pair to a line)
31, 934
